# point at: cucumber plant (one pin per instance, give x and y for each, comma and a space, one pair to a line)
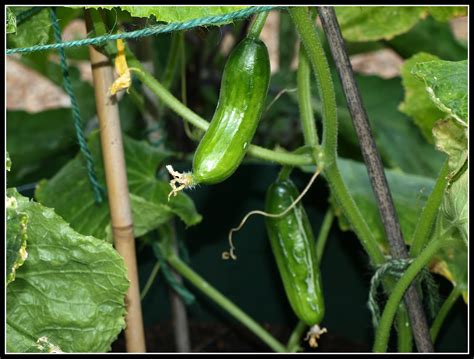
435, 228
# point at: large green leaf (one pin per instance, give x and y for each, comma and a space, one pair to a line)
370, 23
175, 13
149, 200
35, 30
69, 292
446, 83
417, 102
409, 194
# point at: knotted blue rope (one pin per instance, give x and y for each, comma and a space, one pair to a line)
76, 115
396, 268
159, 29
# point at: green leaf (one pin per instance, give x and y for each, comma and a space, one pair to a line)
409, 193
71, 290
371, 23
16, 238
149, 200
446, 83
35, 141
175, 13
417, 102
451, 138
36, 30
444, 13
11, 22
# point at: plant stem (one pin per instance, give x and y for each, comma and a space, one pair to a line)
324, 234
383, 331
375, 170
257, 25
443, 312
405, 339
308, 124
425, 222
117, 186
187, 114
307, 30
150, 280
225, 303
295, 337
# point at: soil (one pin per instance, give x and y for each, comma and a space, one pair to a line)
221, 338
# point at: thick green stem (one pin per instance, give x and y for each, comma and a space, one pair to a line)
295, 337
257, 25
307, 30
225, 303
187, 114
303, 78
324, 234
443, 312
385, 324
425, 222
405, 339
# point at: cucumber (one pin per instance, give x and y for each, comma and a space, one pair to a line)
294, 249
241, 101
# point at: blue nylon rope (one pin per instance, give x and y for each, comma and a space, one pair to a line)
76, 115
159, 29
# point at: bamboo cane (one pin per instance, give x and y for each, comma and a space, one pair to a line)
117, 187
178, 309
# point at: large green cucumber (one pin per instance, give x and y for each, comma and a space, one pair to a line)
294, 249
242, 97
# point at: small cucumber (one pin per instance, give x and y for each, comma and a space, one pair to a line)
294, 249
241, 101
